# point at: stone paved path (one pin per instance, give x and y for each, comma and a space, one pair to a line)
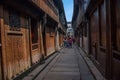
68, 65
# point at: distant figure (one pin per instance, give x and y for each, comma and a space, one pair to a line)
65, 42
73, 40
70, 41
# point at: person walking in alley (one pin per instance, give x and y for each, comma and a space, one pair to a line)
70, 41
65, 42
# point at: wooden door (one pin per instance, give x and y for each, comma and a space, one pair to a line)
0, 51
94, 32
35, 41
102, 37
16, 55
116, 39
50, 40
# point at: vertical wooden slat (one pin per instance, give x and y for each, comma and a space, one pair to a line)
30, 43
1, 34
27, 42
41, 37
15, 47
39, 44
109, 44
8, 54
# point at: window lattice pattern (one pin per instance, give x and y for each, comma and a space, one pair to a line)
14, 21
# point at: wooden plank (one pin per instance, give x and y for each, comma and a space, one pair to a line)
115, 30
41, 38
50, 41
1, 25
28, 41
15, 46
27, 56
48, 10
109, 55
5, 71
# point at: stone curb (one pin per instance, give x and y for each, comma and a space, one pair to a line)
35, 70
96, 73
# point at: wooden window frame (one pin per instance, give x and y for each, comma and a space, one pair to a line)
14, 21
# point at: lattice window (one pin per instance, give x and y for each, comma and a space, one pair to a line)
14, 21
34, 31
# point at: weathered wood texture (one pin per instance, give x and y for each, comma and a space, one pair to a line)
50, 41
35, 44
22, 35
16, 56
61, 37
2, 40
98, 36
104, 35
46, 8
0, 46
116, 40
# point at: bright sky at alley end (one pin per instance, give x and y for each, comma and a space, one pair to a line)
68, 7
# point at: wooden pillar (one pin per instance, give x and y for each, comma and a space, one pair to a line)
44, 33
30, 41
109, 44
41, 40
1, 25
3, 56
56, 38
89, 37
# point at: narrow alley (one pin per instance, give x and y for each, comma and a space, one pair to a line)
67, 65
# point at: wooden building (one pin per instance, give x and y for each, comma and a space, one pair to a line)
62, 26
27, 33
97, 25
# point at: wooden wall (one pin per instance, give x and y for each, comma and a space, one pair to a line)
104, 37
0, 49
94, 28
103, 40
116, 39
50, 40
35, 38
1, 39
46, 8
18, 52
21, 38
16, 56
92, 33
61, 37
98, 35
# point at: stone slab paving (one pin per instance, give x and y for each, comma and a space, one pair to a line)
68, 65
84, 70
92, 67
64, 67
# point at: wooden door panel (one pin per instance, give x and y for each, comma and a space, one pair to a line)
1, 12
94, 33
50, 43
35, 53
14, 54
116, 41
116, 70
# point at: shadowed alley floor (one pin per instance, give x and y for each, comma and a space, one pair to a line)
67, 65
